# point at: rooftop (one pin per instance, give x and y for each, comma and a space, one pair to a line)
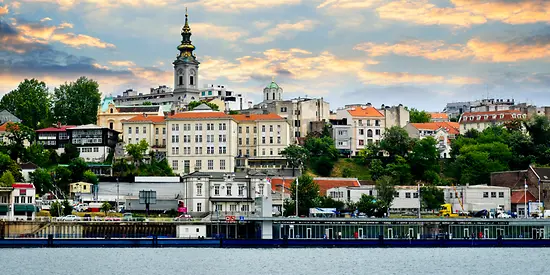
451, 127
139, 109
272, 85
543, 173
518, 197
61, 128
365, 112
505, 115
324, 183
439, 115
198, 115
254, 117
146, 118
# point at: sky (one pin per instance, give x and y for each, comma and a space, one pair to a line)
419, 53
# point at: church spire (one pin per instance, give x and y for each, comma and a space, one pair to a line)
186, 48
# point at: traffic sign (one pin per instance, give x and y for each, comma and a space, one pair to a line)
241, 218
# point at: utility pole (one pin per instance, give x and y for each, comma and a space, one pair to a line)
525, 197
297, 215
419, 201
117, 192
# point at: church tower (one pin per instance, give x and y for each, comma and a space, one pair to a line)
186, 68
273, 92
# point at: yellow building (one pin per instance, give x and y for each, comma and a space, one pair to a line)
261, 138
80, 188
111, 116
145, 127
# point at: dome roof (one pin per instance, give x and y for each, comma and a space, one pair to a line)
273, 85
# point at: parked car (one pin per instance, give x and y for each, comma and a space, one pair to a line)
182, 217
87, 217
70, 218
127, 217
113, 219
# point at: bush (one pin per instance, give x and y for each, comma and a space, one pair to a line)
323, 165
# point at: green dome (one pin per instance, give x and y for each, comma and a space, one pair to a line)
273, 85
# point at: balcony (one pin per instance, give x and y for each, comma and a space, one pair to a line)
158, 146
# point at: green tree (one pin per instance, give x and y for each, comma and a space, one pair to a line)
328, 202
147, 103
8, 164
76, 103
233, 112
105, 207
18, 134
56, 209
137, 151
67, 208
295, 156
77, 166
62, 178
317, 147
36, 154
368, 205
70, 153
377, 169
90, 177
7, 179
194, 104
396, 141
417, 116
42, 181
385, 192
308, 191
424, 158
431, 197
400, 170
30, 102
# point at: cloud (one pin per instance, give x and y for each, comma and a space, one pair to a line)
393, 78
237, 5
348, 4
44, 34
424, 13
527, 48
260, 25
69, 4
221, 32
287, 30
123, 63
45, 19
466, 13
4, 10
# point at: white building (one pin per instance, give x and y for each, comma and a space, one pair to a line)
201, 140
442, 132
482, 120
212, 91
94, 143
18, 202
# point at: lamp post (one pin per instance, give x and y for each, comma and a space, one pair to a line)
297, 197
283, 199
525, 197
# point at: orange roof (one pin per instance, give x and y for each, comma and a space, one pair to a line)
195, 115
519, 198
365, 112
324, 183
475, 117
253, 117
4, 127
146, 118
439, 115
451, 127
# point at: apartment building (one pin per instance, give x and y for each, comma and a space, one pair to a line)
364, 125
442, 132
145, 127
260, 140
94, 143
201, 140
111, 116
54, 137
482, 120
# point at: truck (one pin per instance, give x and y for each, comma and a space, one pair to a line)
447, 211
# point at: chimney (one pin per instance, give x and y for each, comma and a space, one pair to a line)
144, 115
172, 112
58, 124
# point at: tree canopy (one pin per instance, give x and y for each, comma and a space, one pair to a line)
76, 103
417, 116
31, 102
194, 104
137, 150
295, 155
308, 191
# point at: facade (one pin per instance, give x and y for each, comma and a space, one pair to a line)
365, 125
442, 132
152, 129
261, 138
94, 143
54, 137
27, 169
482, 120
18, 202
536, 179
456, 109
111, 116
162, 96
221, 93
201, 140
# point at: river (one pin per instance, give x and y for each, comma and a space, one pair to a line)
197, 261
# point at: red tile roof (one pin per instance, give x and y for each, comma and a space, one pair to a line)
505, 115
23, 185
62, 128
439, 115
253, 117
451, 127
519, 198
365, 112
324, 183
146, 118
192, 115
4, 127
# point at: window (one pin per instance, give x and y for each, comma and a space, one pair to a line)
137, 130
175, 164
493, 194
111, 125
501, 194
270, 140
247, 129
270, 128
219, 207
377, 123
415, 195
247, 141
263, 152
240, 129
209, 126
191, 80
233, 208
263, 140
485, 194
144, 130
396, 195
255, 141
96, 150
369, 133
210, 138
261, 189
361, 132
211, 164
222, 164
198, 127
279, 142
283, 109
408, 195
263, 128
241, 190
222, 150
228, 189
240, 141
198, 138
222, 126
157, 132
377, 131
16, 200
180, 80
199, 207
361, 142
198, 150
271, 152
199, 189
198, 164
255, 129
245, 208
164, 133
187, 165
216, 190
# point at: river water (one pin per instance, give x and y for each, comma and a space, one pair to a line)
197, 261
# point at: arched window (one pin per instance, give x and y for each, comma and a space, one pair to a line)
180, 82
369, 133
191, 80
111, 125
273, 96
266, 96
111, 110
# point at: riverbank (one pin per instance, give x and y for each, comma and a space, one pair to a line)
258, 243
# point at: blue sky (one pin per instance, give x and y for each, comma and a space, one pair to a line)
421, 53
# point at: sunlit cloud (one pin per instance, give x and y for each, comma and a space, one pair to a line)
287, 30
395, 78
220, 32
348, 4
4, 10
237, 5
122, 63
